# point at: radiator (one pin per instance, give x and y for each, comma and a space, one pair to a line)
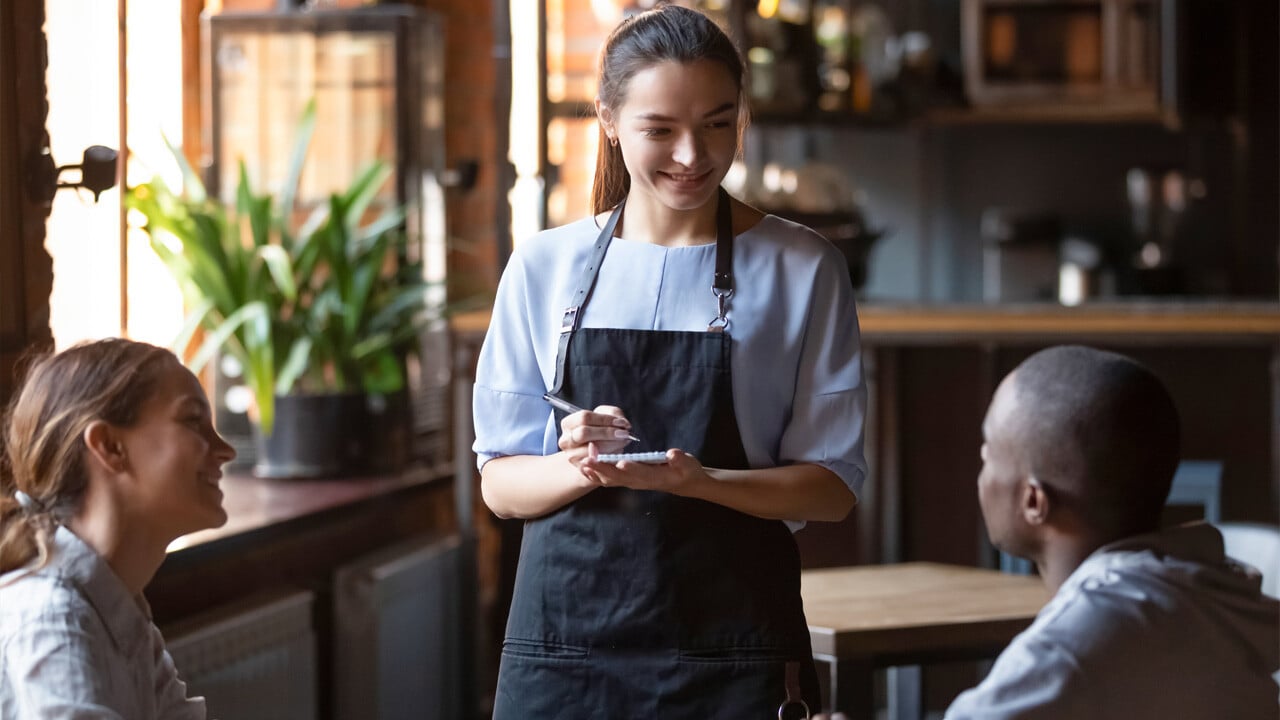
399, 635
252, 661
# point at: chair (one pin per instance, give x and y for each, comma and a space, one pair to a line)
1195, 482
1258, 545
1198, 482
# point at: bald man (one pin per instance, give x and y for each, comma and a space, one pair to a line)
1079, 451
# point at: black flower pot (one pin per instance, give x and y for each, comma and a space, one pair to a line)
328, 435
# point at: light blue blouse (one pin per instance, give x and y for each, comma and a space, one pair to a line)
796, 354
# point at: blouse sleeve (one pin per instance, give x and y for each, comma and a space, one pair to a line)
830, 401
510, 416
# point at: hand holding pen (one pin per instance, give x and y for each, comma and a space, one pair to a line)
605, 427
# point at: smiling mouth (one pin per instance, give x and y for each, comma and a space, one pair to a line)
689, 178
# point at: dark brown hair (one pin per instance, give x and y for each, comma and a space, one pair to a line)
665, 33
44, 434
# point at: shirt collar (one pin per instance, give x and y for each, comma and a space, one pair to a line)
127, 618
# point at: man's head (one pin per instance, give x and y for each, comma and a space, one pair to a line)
1078, 441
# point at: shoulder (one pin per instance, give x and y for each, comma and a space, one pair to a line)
777, 235
1112, 606
556, 245
41, 610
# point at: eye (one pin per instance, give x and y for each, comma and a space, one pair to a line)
655, 132
720, 124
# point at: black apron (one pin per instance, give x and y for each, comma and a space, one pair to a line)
643, 604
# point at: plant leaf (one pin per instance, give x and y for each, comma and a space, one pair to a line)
295, 365
297, 158
281, 269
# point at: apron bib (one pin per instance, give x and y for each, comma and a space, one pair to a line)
642, 604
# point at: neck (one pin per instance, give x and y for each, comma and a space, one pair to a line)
1063, 552
133, 556
648, 220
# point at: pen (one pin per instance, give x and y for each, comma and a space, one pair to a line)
570, 408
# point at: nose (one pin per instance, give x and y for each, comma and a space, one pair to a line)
221, 449
689, 147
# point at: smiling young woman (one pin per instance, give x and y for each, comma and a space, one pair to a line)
111, 454
724, 339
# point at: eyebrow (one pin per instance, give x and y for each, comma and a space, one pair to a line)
664, 118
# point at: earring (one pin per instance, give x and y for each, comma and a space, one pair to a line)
613, 141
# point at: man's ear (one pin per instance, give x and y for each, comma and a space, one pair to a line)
105, 446
1035, 503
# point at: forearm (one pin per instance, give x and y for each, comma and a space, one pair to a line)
791, 492
529, 486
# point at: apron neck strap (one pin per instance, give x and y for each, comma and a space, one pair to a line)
722, 285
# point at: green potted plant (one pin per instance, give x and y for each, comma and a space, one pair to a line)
320, 316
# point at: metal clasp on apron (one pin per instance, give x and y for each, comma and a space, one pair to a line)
793, 692
721, 321
570, 319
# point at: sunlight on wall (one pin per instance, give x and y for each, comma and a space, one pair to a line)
526, 87
84, 238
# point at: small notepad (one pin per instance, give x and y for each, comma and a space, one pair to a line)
647, 457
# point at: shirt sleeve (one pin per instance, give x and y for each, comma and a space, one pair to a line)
172, 702
829, 407
509, 414
56, 670
1031, 680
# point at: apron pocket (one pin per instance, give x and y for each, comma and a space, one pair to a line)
543, 650
746, 683
543, 681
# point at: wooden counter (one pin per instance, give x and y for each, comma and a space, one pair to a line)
1115, 322
1142, 321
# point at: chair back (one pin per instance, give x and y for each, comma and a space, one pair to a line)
1257, 545
1198, 482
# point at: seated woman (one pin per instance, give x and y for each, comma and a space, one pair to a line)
111, 454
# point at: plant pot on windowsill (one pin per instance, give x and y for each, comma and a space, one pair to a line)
334, 435
331, 305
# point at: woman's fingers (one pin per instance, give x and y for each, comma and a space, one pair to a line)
606, 425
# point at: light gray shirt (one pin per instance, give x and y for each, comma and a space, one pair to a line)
1158, 626
796, 355
75, 645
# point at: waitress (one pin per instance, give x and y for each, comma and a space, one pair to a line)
722, 337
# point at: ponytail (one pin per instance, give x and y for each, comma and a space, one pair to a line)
24, 534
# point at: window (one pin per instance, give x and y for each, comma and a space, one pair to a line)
106, 281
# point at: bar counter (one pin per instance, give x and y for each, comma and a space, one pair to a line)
1115, 321
1138, 320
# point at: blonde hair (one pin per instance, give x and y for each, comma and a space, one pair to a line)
667, 33
44, 435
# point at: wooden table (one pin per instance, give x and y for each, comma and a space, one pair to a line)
882, 616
